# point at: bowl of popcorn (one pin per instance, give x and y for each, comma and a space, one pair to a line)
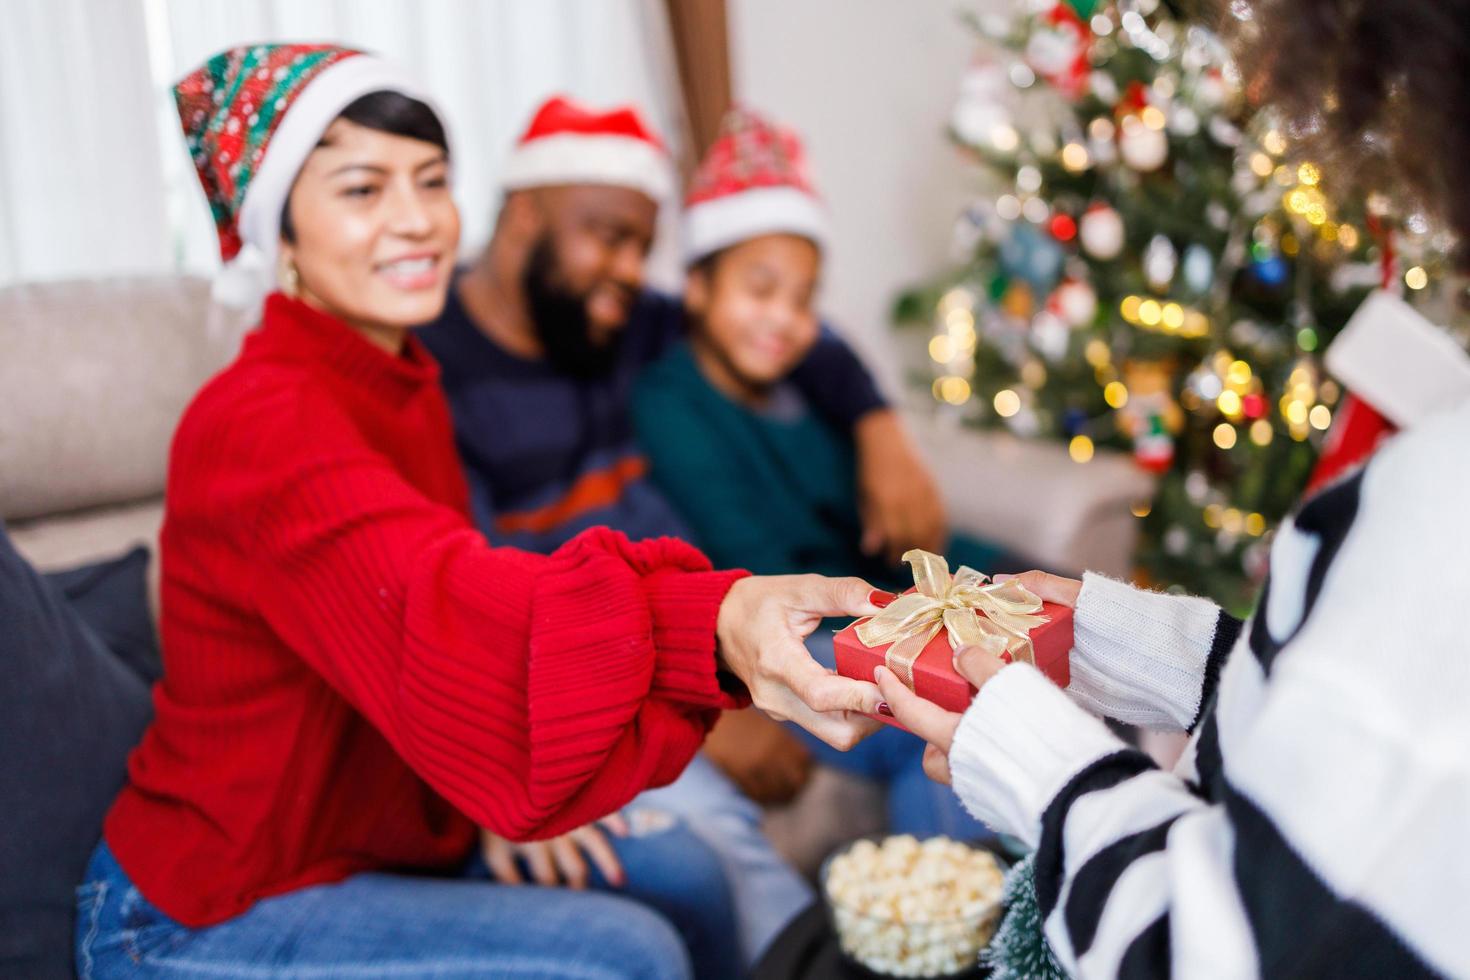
903, 907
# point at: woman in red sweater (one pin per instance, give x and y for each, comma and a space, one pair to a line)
353, 679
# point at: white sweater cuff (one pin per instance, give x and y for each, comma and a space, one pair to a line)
1017, 746
1140, 656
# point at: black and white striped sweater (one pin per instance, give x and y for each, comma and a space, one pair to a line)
1319, 823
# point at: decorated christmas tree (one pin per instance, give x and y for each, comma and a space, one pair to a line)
1153, 268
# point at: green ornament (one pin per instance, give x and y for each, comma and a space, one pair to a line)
1085, 8
1019, 950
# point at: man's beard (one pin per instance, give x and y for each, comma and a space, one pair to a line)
560, 318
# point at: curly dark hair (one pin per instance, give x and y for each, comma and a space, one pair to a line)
1379, 90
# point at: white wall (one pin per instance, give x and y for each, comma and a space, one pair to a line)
869, 84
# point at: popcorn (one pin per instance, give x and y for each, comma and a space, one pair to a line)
907, 908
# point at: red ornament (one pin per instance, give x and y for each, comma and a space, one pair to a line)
1063, 227
1253, 405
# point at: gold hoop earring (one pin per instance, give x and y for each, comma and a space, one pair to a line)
290, 279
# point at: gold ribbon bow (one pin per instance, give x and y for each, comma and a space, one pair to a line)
995, 616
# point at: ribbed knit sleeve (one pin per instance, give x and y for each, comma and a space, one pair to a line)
536, 693
1146, 658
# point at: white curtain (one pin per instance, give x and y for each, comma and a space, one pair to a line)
81, 182
94, 178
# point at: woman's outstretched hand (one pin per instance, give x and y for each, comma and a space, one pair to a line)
934, 724
761, 628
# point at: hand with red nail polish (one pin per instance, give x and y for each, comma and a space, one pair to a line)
928, 720
760, 633
880, 598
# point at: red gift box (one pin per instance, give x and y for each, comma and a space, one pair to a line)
935, 678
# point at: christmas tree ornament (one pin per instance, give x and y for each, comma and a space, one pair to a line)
1057, 50
1153, 448
1199, 269
1160, 260
1075, 302
1183, 121
1269, 268
1104, 88
1142, 147
1033, 256
1051, 337
1018, 301
1101, 232
1151, 417
980, 111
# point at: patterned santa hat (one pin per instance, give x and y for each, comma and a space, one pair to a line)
251, 115
752, 182
567, 143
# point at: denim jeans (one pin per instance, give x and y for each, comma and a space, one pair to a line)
916, 804
387, 925
767, 892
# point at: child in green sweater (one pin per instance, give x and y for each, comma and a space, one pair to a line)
764, 482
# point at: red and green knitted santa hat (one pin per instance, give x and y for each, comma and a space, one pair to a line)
252, 114
752, 182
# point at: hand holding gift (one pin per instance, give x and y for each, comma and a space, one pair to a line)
760, 632
916, 636
976, 665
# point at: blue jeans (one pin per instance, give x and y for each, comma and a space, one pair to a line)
767, 892
916, 804
386, 925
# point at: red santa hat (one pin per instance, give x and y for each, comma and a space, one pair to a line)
752, 182
251, 115
567, 143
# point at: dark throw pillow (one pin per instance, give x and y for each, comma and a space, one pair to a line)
112, 598
70, 711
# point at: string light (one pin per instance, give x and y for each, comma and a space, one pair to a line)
1274, 143
1005, 138
1150, 313
1007, 403
1097, 353
1416, 278
1238, 373
1172, 316
1075, 157
1261, 432
1129, 308
1347, 237
1320, 417
954, 389
1152, 117
1229, 403
1308, 174
1212, 514
1296, 412
1225, 435
1261, 165
1255, 525
1080, 449
1033, 374
941, 349
1116, 394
